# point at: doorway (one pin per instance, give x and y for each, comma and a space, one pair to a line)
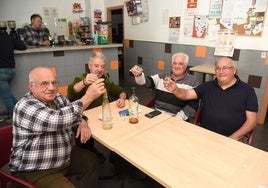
116, 35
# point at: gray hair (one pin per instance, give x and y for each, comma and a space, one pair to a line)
181, 54
227, 59
97, 55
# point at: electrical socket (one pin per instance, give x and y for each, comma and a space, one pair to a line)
263, 55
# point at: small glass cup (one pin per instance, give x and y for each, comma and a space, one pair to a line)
167, 79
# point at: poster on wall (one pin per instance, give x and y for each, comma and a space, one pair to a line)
225, 43
134, 7
215, 8
200, 26
247, 16
141, 17
174, 22
174, 29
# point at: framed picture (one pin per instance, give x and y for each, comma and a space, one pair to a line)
134, 7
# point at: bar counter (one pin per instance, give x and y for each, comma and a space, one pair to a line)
65, 48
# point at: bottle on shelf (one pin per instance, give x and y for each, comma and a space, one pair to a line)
133, 107
106, 113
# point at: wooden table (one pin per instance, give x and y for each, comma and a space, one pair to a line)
178, 154
122, 129
205, 69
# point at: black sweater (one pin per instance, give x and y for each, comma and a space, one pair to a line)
7, 47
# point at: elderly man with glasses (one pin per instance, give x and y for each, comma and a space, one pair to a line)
43, 151
229, 105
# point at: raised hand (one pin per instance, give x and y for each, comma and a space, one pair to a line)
136, 70
90, 78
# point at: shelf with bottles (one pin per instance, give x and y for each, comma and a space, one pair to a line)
83, 33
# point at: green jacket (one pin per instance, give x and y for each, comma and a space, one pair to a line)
113, 90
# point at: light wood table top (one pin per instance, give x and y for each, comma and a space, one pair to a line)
179, 154
204, 68
122, 129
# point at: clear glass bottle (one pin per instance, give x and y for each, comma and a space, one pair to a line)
133, 107
106, 113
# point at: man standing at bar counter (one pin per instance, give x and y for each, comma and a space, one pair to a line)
164, 100
7, 68
34, 34
229, 105
43, 150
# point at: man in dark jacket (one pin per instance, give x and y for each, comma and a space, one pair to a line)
7, 68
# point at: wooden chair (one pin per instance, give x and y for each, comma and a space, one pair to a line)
7, 180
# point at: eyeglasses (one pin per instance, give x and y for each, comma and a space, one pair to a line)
223, 69
45, 84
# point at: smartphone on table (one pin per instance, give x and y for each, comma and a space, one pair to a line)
152, 114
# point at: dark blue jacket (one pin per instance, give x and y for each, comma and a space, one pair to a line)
7, 47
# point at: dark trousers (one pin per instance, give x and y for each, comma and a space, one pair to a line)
83, 169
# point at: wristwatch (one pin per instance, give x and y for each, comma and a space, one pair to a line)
85, 118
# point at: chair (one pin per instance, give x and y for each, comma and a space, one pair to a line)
198, 116
63, 90
197, 121
150, 103
6, 179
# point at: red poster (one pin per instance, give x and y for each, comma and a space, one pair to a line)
192, 4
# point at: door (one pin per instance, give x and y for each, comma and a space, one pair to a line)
116, 35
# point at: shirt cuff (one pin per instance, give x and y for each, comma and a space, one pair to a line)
140, 80
181, 115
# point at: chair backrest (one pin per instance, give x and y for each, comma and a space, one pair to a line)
5, 144
150, 103
198, 116
63, 90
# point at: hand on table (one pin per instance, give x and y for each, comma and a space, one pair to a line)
120, 103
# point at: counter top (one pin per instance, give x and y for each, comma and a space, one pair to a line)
66, 48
